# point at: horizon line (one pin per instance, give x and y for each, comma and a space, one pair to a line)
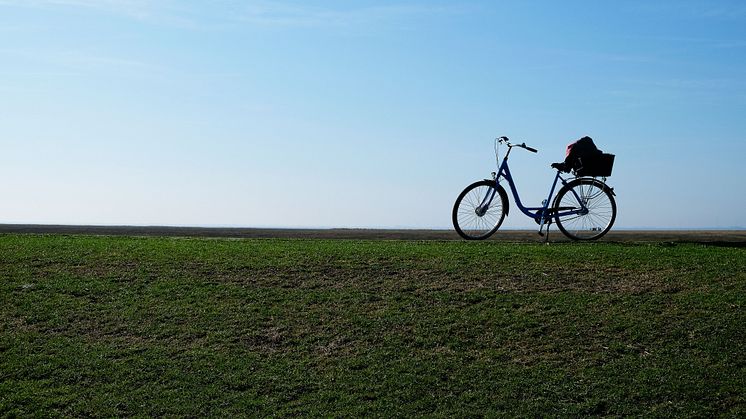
380, 228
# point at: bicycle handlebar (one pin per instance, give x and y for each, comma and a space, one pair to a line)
506, 140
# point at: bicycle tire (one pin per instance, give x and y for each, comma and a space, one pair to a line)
600, 204
466, 220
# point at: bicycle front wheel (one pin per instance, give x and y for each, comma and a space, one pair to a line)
479, 210
591, 207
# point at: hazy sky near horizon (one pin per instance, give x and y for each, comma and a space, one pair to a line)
363, 113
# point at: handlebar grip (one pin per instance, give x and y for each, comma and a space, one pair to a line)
531, 149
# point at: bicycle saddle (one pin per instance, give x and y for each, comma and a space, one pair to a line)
562, 167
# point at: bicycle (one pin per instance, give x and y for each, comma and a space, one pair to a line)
583, 209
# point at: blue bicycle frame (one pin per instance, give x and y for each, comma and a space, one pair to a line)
540, 214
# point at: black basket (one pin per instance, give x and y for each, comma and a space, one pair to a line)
597, 166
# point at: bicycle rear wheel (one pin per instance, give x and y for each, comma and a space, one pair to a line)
595, 203
479, 210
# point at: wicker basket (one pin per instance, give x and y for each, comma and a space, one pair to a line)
599, 166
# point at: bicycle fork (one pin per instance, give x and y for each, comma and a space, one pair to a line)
486, 202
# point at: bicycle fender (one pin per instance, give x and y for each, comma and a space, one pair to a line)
600, 183
503, 197
604, 186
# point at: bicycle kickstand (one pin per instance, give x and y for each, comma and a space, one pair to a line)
541, 232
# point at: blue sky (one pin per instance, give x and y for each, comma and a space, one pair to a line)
362, 113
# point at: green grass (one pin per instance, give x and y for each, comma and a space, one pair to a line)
110, 326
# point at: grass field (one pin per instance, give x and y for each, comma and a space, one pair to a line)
116, 326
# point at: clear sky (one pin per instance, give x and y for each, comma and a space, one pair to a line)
363, 113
